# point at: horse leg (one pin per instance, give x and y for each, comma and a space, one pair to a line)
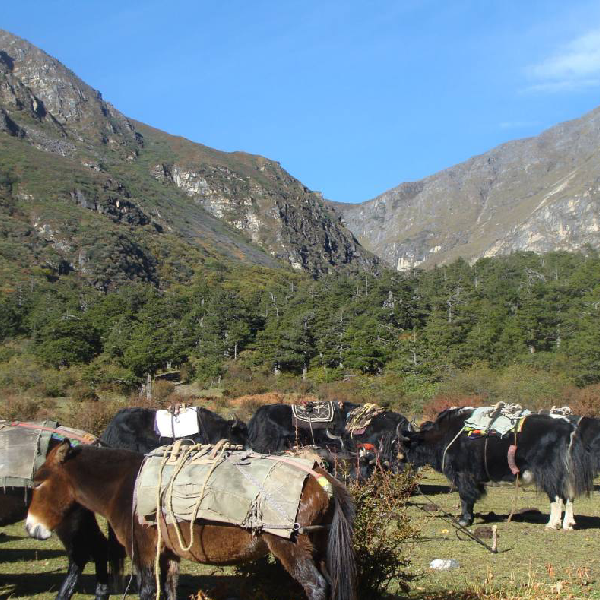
169, 575
298, 562
555, 513
146, 583
569, 519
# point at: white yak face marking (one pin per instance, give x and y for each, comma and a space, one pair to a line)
35, 529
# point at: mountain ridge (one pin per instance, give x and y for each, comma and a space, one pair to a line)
538, 193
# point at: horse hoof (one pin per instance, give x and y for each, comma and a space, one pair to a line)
465, 522
553, 527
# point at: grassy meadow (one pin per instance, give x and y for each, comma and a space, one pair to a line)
532, 562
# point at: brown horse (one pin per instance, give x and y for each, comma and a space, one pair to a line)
78, 531
103, 481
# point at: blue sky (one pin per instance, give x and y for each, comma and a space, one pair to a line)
352, 97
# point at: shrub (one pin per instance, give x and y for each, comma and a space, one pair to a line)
15, 407
583, 401
91, 415
444, 401
381, 527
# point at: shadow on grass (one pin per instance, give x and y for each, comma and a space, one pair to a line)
222, 587
537, 517
432, 489
22, 554
23, 585
5, 537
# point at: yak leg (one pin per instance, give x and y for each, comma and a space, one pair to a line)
569, 519
83, 539
466, 517
298, 562
555, 513
469, 491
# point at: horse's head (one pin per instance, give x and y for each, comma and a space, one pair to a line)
52, 495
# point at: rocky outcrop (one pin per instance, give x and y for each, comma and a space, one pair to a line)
274, 210
536, 194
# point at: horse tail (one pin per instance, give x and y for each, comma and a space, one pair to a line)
116, 559
341, 562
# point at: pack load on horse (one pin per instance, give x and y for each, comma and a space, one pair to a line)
144, 429
502, 443
210, 504
357, 436
23, 449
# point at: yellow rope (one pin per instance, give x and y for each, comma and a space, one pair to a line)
158, 532
170, 510
185, 453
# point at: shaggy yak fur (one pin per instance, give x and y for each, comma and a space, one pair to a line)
133, 429
103, 480
548, 450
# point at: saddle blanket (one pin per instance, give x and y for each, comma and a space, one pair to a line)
313, 415
177, 425
358, 419
499, 419
255, 491
24, 446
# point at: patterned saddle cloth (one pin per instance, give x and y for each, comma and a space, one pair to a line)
313, 415
500, 419
359, 419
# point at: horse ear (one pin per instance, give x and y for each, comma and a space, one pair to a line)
62, 452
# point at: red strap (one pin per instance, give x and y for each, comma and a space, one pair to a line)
293, 463
512, 450
73, 436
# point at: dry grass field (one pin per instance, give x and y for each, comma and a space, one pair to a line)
532, 562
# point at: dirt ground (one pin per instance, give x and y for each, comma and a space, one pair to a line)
531, 562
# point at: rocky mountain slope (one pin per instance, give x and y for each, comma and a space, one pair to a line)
85, 189
536, 194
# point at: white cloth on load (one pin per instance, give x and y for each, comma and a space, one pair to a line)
177, 425
501, 418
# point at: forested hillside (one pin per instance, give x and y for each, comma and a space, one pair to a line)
524, 319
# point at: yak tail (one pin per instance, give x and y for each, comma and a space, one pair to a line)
580, 467
116, 560
341, 563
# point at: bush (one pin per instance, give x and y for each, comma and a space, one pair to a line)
444, 401
92, 415
16, 407
583, 401
381, 527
